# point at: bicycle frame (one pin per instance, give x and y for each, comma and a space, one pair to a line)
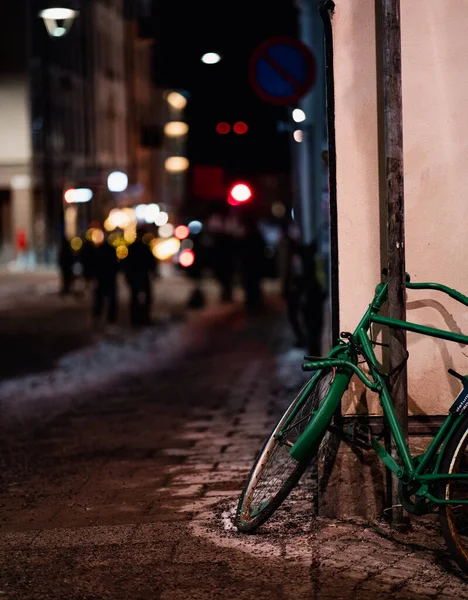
342, 358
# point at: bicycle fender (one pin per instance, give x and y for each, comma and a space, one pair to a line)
313, 433
446, 441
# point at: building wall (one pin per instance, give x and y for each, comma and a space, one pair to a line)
110, 78
15, 127
435, 94
15, 173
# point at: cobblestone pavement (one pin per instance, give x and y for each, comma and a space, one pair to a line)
129, 492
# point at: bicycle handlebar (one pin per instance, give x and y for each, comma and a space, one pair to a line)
455, 294
439, 287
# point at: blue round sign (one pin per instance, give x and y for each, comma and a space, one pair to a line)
282, 70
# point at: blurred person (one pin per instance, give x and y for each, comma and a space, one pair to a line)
252, 253
65, 261
105, 269
290, 270
86, 257
139, 267
223, 263
197, 298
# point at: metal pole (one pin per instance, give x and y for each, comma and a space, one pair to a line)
313, 104
393, 120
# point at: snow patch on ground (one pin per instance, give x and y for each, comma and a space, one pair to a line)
111, 358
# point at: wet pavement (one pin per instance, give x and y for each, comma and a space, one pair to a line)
123, 486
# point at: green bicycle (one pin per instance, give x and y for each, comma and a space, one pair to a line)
436, 479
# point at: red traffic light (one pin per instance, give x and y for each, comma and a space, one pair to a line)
239, 193
240, 128
223, 128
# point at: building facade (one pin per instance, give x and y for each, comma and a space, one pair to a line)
435, 144
74, 109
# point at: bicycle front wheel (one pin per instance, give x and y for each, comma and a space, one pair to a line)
454, 517
275, 472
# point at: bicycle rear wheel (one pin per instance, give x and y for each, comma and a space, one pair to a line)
275, 472
454, 517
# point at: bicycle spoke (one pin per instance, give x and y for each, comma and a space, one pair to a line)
278, 466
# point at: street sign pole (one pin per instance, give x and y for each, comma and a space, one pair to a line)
393, 120
283, 70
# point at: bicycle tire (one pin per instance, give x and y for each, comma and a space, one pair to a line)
454, 518
247, 520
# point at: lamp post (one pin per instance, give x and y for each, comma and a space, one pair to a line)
58, 20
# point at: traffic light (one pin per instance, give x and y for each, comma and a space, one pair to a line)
239, 127
239, 193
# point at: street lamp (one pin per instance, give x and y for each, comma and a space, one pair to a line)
117, 181
58, 20
176, 100
211, 58
175, 129
298, 115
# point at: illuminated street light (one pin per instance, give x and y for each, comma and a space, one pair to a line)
74, 196
298, 135
176, 100
175, 128
176, 164
298, 115
210, 58
117, 181
240, 192
58, 20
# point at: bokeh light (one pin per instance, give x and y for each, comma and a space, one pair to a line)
241, 192
211, 58
166, 231
119, 218
223, 128
76, 244
298, 115
278, 209
140, 211
195, 227
161, 218
187, 258
108, 225
122, 252
176, 164
97, 236
181, 232
79, 195
176, 100
240, 128
130, 234
298, 136
164, 249
176, 128
152, 211
117, 181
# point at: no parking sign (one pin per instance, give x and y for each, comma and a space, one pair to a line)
282, 70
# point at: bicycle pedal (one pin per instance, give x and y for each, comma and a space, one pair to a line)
360, 435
